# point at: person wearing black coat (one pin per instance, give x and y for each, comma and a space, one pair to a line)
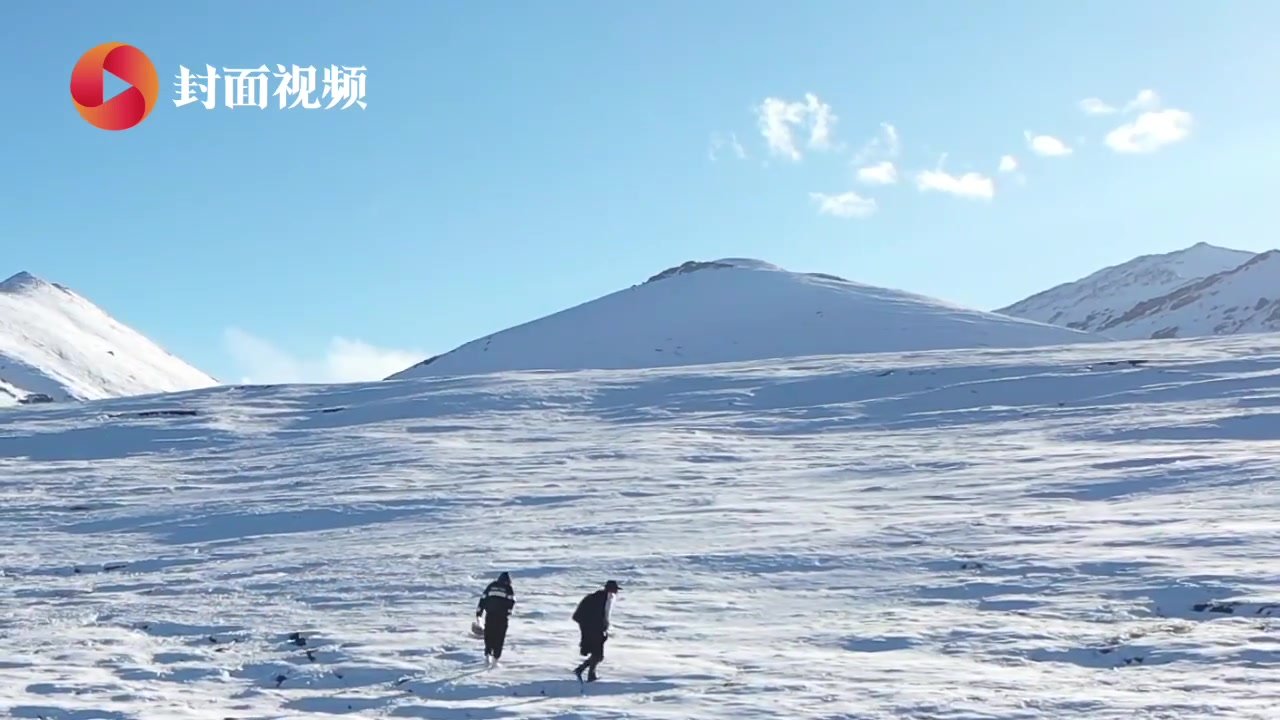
592, 617
496, 603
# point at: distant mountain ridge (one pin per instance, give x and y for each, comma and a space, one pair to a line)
1197, 291
57, 346
1245, 299
733, 310
1099, 298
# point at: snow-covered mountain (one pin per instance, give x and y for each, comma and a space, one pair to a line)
735, 310
1245, 299
1098, 300
57, 346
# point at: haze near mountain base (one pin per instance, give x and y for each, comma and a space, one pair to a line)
735, 310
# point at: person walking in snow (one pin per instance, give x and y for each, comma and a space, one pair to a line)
592, 617
496, 603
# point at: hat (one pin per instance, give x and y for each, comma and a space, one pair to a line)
612, 586
504, 577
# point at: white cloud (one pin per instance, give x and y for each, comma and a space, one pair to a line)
1145, 100
1009, 166
971, 185
1094, 106
844, 205
882, 173
1150, 131
778, 120
1046, 145
884, 145
824, 121
720, 142
345, 360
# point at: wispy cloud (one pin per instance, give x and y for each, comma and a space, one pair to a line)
886, 144
721, 142
1095, 106
1046, 145
779, 120
793, 128
882, 173
1146, 99
971, 185
344, 360
844, 205
1009, 166
1150, 131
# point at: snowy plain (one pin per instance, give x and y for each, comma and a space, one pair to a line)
1089, 531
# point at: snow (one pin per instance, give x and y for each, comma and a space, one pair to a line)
1242, 300
55, 342
1098, 299
737, 309
1082, 531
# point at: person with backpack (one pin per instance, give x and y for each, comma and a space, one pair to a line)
592, 617
496, 603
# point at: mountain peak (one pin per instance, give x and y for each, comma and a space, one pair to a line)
1203, 248
22, 281
736, 310
692, 266
1235, 301
1099, 298
1201, 290
57, 345
731, 263
1193, 261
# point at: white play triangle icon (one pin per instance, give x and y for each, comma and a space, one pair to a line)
112, 86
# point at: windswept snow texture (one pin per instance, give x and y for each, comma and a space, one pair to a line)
1097, 301
57, 344
1081, 532
736, 310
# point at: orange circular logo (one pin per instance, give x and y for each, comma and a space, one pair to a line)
129, 107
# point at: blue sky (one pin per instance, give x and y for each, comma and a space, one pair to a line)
518, 158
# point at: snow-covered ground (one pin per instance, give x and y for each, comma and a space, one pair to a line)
995, 534
734, 310
55, 343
